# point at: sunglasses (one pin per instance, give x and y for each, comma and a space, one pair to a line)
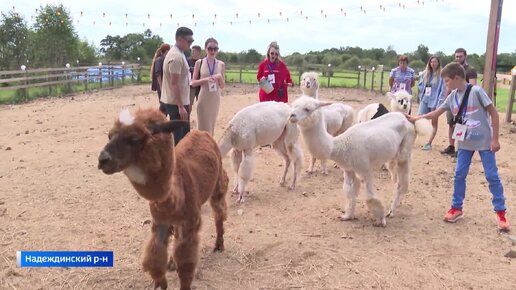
215, 49
274, 53
189, 40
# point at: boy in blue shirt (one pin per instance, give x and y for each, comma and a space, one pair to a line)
474, 132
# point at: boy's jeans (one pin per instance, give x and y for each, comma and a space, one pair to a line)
491, 172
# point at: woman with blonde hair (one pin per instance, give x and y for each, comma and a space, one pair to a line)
431, 93
273, 70
156, 73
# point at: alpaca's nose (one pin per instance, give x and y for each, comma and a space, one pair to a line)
104, 158
292, 118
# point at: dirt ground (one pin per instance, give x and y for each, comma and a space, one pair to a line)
53, 197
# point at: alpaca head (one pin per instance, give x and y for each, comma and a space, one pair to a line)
130, 136
309, 83
401, 101
305, 110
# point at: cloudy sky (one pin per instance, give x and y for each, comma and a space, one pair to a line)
297, 25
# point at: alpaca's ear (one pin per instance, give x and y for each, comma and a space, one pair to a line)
167, 127
390, 95
322, 104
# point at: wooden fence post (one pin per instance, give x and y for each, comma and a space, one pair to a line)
365, 77
100, 75
26, 89
372, 79
358, 78
240, 78
381, 82
510, 102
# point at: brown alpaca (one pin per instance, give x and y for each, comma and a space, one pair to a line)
176, 181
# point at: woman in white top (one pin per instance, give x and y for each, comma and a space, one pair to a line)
211, 80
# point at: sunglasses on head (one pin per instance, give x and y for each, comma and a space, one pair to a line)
212, 49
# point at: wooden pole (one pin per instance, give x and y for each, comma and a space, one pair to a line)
493, 33
510, 102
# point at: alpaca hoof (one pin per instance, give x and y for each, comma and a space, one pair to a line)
292, 187
347, 217
310, 171
171, 266
335, 165
219, 248
324, 172
162, 284
380, 223
390, 214
282, 183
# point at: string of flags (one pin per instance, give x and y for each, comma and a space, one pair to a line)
152, 20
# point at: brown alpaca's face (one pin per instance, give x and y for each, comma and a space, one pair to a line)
124, 146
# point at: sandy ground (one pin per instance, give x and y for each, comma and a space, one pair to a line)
52, 197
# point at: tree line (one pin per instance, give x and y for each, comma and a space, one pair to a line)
52, 42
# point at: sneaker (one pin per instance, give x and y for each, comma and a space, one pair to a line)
450, 150
453, 215
503, 224
427, 147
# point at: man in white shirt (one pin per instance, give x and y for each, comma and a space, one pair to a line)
175, 91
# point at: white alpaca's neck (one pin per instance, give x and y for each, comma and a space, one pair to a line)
318, 141
310, 92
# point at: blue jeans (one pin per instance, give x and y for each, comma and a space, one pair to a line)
491, 172
424, 108
173, 113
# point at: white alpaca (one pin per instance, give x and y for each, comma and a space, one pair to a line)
261, 124
337, 118
310, 84
363, 147
400, 101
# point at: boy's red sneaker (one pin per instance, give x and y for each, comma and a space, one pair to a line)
503, 224
453, 215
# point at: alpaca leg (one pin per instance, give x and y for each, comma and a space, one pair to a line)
283, 179
245, 172
155, 255
391, 167
351, 187
311, 165
374, 204
186, 251
401, 186
236, 159
324, 167
219, 206
280, 147
295, 154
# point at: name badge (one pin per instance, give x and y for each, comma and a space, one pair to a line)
212, 86
459, 133
428, 91
401, 86
271, 78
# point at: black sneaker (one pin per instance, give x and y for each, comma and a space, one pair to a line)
450, 150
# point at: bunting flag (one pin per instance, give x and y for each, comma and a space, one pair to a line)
156, 21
